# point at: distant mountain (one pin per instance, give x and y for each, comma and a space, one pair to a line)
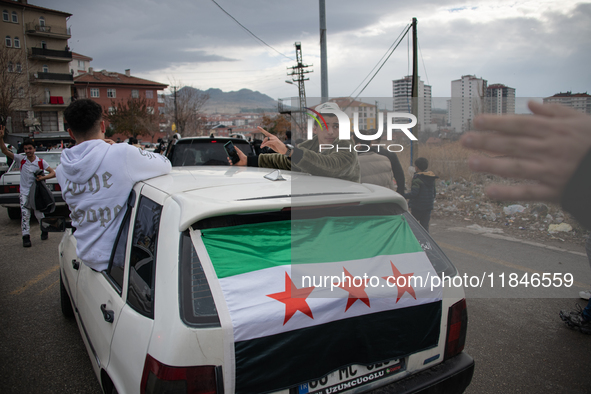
243, 100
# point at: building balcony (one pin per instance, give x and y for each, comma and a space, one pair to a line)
48, 31
50, 54
54, 78
55, 102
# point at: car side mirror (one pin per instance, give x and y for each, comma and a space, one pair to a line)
57, 224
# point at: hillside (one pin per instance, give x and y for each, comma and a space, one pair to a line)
243, 100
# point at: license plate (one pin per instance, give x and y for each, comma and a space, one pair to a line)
351, 377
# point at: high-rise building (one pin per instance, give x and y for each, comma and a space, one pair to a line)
402, 92
500, 99
467, 101
36, 51
579, 101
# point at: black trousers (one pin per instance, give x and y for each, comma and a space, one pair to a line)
422, 217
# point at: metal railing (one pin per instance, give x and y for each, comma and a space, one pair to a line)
36, 28
52, 76
51, 53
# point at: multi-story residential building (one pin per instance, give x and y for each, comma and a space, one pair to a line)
579, 101
367, 112
36, 38
108, 88
402, 92
467, 101
499, 99
80, 64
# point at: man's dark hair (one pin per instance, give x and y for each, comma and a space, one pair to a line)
422, 163
288, 134
83, 115
28, 141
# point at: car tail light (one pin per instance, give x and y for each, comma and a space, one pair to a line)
10, 189
56, 187
160, 378
457, 326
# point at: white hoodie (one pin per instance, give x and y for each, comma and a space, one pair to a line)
96, 179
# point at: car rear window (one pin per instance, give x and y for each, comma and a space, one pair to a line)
205, 152
53, 159
195, 292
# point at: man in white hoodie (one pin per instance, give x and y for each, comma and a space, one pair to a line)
96, 177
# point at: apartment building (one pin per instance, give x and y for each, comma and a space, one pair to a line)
80, 64
499, 99
35, 42
402, 93
367, 112
578, 101
108, 88
467, 101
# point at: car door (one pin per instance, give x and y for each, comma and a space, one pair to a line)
134, 329
99, 297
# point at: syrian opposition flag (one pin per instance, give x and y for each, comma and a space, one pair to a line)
307, 297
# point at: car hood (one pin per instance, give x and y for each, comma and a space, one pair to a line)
81, 162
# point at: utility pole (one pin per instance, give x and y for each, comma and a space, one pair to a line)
414, 147
176, 113
323, 60
297, 75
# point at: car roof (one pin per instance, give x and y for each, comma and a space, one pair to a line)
209, 139
212, 191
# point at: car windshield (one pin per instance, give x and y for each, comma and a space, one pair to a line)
205, 152
52, 158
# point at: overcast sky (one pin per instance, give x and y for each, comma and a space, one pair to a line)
537, 47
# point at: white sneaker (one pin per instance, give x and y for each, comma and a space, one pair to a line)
585, 294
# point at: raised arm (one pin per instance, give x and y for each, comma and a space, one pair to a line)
3, 147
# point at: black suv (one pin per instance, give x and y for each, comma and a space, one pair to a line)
205, 151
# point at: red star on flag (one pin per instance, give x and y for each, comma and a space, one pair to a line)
294, 299
355, 292
406, 282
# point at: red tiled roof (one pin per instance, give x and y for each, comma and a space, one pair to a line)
35, 7
79, 56
107, 77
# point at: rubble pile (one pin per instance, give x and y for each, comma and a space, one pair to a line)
465, 200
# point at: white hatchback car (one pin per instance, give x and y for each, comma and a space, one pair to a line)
227, 280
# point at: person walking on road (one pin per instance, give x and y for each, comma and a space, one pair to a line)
29, 164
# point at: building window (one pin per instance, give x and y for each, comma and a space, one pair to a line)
81, 64
161, 98
10, 67
150, 110
17, 42
45, 68
135, 93
8, 41
149, 94
111, 110
14, 17
41, 22
5, 16
21, 92
19, 68
111, 93
81, 92
94, 92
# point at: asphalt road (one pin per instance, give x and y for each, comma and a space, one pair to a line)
514, 334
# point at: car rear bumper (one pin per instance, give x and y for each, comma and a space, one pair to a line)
449, 377
12, 200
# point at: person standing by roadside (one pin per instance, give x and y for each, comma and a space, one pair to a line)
29, 164
422, 193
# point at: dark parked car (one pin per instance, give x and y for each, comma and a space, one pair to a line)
205, 151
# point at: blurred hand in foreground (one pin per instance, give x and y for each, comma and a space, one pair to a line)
546, 147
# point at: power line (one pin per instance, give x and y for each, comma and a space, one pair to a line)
424, 67
251, 33
384, 55
384, 62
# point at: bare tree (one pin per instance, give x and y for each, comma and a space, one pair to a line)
133, 116
184, 108
15, 92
